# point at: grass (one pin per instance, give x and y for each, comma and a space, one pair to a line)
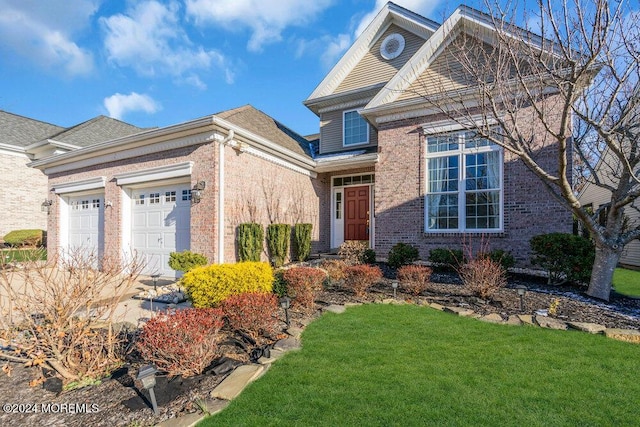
382, 365
627, 282
21, 255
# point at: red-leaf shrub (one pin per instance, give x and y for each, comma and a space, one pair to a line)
359, 278
303, 284
253, 312
334, 268
414, 279
483, 276
183, 342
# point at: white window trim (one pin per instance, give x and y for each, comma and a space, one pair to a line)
344, 130
460, 152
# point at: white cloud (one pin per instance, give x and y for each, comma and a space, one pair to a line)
266, 19
150, 39
42, 32
335, 48
118, 104
422, 7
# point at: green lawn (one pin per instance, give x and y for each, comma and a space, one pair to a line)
21, 255
382, 365
627, 282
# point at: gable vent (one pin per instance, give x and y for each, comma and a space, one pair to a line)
392, 46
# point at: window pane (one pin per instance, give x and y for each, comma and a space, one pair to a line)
436, 144
443, 174
442, 211
356, 129
472, 140
338, 205
482, 210
482, 171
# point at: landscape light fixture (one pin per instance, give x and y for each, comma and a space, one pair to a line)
196, 192
147, 376
46, 206
285, 303
394, 285
155, 278
521, 291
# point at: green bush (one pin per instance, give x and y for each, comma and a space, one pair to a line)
250, 240
19, 238
564, 256
278, 236
446, 258
302, 240
504, 258
279, 284
369, 256
402, 254
186, 260
209, 286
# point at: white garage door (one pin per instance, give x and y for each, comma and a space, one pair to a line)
86, 225
160, 225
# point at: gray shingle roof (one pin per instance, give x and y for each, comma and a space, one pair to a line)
255, 121
98, 129
22, 131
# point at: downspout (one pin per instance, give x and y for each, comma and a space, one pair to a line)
221, 218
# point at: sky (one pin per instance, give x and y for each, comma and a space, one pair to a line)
158, 63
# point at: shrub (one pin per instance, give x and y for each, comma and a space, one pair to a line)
278, 236
209, 286
402, 254
279, 285
359, 278
505, 259
303, 284
250, 240
446, 258
483, 276
414, 279
564, 256
186, 260
31, 238
352, 251
302, 240
252, 312
369, 256
334, 268
183, 342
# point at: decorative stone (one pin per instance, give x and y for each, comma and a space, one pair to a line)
437, 306
550, 323
352, 304
295, 332
287, 344
514, 320
592, 328
335, 308
628, 335
527, 319
233, 385
460, 311
492, 318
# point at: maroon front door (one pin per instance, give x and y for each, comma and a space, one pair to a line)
356, 218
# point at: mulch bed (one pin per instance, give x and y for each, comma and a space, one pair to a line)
119, 402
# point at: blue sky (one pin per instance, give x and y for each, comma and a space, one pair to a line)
157, 63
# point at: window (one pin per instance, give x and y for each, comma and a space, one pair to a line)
186, 195
338, 205
96, 203
356, 129
464, 183
140, 200
154, 198
170, 196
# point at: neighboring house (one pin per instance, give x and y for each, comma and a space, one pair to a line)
597, 196
383, 169
23, 140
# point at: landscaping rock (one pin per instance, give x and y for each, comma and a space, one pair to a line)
287, 344
273, 356
550, 323
294, 332
514, 320
492, 318
335, 308
628, 335
436, 306
233, 385
592, 328
527, 319
460, 311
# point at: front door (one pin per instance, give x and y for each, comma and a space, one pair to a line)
356, 221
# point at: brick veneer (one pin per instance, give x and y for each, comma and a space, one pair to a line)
529, 209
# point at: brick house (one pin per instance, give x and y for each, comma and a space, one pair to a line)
23, 140
383, 169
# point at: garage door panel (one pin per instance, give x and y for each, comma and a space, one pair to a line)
86, 226
139, 219
155, 219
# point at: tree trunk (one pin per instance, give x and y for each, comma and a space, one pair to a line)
602, 274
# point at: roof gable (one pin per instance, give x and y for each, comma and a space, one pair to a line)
365, 50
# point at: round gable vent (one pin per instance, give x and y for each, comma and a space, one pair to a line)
392, 46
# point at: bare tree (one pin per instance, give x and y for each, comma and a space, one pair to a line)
571, 92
